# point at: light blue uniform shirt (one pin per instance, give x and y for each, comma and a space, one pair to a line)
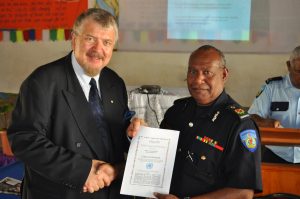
280, 100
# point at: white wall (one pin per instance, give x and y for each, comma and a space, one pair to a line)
247, 71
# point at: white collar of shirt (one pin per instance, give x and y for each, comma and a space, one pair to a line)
287, 81
84, 79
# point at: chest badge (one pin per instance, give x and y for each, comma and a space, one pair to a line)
210, 142
249, 139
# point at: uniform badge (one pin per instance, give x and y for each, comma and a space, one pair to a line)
249, 139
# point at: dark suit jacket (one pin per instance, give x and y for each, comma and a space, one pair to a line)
53, 131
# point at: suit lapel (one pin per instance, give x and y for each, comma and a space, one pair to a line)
81, 112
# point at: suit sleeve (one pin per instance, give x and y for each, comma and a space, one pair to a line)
30, 135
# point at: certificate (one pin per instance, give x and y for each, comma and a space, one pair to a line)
150, 162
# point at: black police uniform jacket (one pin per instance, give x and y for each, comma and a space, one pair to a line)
219, 146
54, 133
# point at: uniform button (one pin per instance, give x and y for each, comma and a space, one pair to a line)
191, 124
203, 157
277, 109
112, 101
179, 149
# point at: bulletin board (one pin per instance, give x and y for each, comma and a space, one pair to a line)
44, 20
39, 14
24, 20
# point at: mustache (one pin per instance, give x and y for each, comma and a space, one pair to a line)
95, 54
204, 87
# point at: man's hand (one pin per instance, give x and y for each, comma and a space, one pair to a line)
101, 175
165, 196
277, 124
266, 122
135, 126
269, 123
225, 193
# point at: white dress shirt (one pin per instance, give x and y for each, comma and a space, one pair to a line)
84, 79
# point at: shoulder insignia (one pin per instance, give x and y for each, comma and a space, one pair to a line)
182, 103
249, 139
273, 79
181, 100
261, 90
241, 112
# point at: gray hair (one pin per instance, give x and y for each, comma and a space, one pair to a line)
209, 47
295, 54
102, 17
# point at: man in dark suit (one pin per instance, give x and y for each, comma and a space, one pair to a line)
69, 151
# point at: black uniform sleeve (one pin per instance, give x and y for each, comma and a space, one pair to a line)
242, 161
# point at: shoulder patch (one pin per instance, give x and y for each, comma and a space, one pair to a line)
274, 79
261, 90
241, 112
249, 139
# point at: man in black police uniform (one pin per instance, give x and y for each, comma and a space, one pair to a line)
219, 148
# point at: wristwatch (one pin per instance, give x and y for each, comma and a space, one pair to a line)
186, 197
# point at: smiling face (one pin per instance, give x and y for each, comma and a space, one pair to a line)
206, 76
93, 46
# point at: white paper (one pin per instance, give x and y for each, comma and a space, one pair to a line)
150, 162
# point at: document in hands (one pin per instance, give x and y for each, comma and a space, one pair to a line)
150, 162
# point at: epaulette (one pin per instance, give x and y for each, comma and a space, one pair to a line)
261, 90
181, 100
240, 111
273, 79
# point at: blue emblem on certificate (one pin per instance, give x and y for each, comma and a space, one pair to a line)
249, 139
149, 165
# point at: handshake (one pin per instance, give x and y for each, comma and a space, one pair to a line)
101, 175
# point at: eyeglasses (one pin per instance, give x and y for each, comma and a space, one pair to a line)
91, 40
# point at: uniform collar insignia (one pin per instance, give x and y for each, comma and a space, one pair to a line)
215, 116
239, 111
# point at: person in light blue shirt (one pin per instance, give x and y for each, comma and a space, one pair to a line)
278, 105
